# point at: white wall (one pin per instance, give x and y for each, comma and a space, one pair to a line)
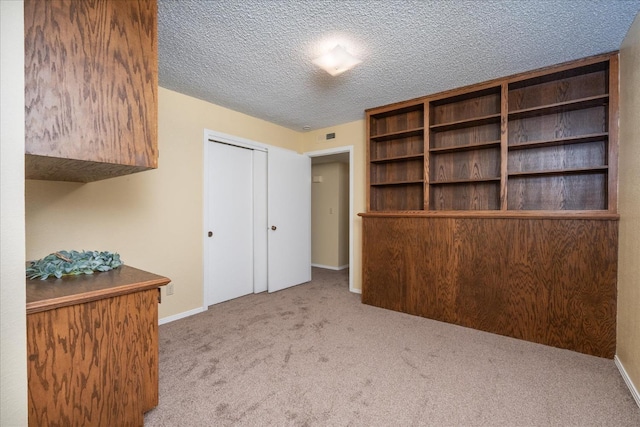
13, 351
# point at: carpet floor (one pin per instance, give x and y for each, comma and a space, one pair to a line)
313, 355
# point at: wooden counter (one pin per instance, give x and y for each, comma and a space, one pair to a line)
92, 348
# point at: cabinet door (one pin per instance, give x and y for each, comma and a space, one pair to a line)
90, 88
94, 363
385, 267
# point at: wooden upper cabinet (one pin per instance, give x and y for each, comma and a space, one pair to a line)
91, 88
543, 141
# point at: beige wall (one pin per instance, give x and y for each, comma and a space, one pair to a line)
13, 335
628, 336
343, 215
153, 219
347, 134
329, 237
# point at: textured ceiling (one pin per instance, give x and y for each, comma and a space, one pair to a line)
254, 56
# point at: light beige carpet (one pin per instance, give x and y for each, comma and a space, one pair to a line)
313, 355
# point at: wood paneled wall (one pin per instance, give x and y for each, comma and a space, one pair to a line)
94, 363
549, 281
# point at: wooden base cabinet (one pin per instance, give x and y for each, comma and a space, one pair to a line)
92, 348
549, 281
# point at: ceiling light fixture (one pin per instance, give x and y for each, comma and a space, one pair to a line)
337, 61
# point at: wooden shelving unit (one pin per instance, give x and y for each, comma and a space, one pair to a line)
494, 206
396, 158
464, 151
558, 140
537, 141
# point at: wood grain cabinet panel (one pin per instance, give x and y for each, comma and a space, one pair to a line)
549, 281
92, 348
91, 82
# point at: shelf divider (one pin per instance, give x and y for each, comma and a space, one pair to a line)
576, 104
560, 141
469, 147
460, 124
466, 181
399, 158
387, 183
397, 135
551, 172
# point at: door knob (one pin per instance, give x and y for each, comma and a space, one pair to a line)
273, 227
210, 234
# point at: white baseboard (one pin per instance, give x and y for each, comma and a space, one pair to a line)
330, 267
627, 380
181, 315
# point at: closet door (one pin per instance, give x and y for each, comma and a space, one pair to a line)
289, 214
230, 201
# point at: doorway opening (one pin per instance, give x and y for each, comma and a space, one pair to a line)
333, 208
